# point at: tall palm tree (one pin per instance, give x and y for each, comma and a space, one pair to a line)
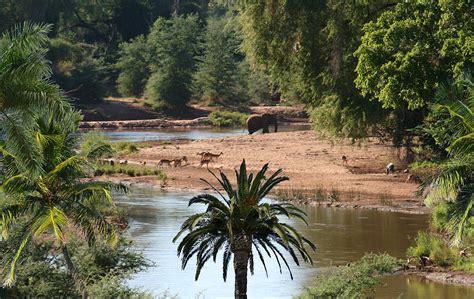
453, 180
25, 88
55, 199
240, 222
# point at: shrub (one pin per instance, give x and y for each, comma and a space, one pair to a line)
95, 145
227, 119
353, 281
130, 170
432, 246
125, 147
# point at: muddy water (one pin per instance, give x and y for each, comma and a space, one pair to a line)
342, 236
186, 133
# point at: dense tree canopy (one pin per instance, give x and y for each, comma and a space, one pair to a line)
174, 46
410, 50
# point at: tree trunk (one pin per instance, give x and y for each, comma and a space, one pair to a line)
241, 248
72, 271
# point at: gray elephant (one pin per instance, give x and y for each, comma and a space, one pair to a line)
256, 122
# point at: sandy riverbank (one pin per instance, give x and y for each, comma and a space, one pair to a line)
313, 165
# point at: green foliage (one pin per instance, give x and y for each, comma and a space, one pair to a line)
25, 87
307, 47
227, 118
77, 70
452, 180
133, 67
439, 251
55, 198
125, 147
258, 84
174, 46
410, 50
95, 146
130, 170
354, 281
432, 246
240, 221
103, 267
217, 76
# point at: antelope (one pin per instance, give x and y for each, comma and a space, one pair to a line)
202, 154
211, 156
177, 162
205, 160
165, 161
344, 160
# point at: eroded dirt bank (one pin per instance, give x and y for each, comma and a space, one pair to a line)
314, 166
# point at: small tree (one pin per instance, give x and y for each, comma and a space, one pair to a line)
240, 222
133, 67
174, 46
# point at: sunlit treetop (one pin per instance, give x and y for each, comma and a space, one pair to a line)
410, 50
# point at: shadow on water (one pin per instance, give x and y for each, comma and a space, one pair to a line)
342, 235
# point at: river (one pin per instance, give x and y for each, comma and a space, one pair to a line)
341, 235
185, 133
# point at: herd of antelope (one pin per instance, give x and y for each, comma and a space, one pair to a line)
206, 158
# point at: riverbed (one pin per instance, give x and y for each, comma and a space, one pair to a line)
341, 235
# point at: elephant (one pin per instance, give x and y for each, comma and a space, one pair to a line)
256, 122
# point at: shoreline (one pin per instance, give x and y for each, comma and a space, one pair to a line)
152, 182
449, 277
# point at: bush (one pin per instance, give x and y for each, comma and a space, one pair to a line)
353, 281
95, 146
434, 247
227, 119
103, 268
125, 147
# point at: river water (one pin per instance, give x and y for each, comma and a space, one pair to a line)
341, 235
186, 133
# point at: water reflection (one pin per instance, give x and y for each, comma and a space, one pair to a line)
341, 235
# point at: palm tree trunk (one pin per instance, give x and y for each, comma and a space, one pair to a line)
241, 247
72, 271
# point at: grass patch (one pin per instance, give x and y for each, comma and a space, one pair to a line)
441, 253
334, 195
227, 119
125, 147
290, 195
386, 200
130, 170
354, 281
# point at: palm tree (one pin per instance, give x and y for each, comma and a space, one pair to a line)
240, 222
25, 88
453, 180
55, 199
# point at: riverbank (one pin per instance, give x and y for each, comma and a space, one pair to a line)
133, 114
314, 166
443, 276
